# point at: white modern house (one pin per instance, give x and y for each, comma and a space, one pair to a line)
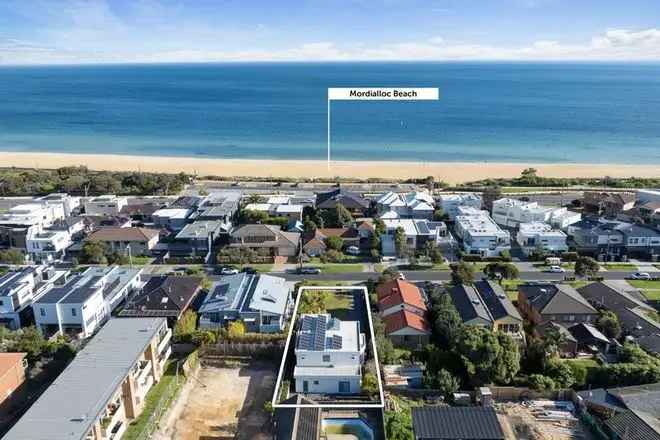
173, 219
18, 290
511, 212
451, 202
48, 245
15, 223
290, 211
479, 234
79, 306
68, 203
413, 205
329, 355
540, 236
107, 205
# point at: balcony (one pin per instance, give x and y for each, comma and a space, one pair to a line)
115, 416
164, 341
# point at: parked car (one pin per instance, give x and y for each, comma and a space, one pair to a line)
556, 269
640, 276
309, 270
226, 270
353, 250
249, 270
400, 276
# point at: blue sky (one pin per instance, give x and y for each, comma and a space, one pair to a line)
97, 31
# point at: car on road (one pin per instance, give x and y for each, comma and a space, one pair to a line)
556, 269
226, 270
249, 270
309, 270
353, 250
640, 276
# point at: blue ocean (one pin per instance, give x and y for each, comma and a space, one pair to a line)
487, 112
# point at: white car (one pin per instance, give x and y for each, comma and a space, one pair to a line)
353, 250
640, 276
556, 269
228, 271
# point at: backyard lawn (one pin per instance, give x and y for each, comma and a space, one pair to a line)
339, 301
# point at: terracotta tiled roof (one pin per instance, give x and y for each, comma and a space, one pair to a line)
346, 233
123, 234
402, 319
8, 360
397, 292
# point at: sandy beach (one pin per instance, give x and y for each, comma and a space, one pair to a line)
451, 172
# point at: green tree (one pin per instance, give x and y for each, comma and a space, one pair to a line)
560, 373
12, 256
94, 252
446, 320
500, 271
400, 242
586, 267
309, 226
29, 340
608, 323
462, 273
398, 425
446, 383
185, 326
540, 382
370, 384
379, 227
236, 329
439, 215
487, 357
335, 243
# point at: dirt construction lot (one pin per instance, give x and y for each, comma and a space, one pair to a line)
221, 404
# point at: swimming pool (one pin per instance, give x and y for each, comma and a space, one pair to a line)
357, 428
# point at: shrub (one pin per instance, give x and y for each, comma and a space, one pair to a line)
540, 382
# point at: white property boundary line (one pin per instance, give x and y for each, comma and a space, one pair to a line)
288, 341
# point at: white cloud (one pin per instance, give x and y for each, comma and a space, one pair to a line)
613, 44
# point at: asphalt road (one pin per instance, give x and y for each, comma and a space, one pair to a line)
435, 276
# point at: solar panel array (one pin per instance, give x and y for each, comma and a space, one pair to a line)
311, 335
336, 342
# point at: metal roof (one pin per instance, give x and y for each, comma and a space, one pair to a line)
456, 423
71, 405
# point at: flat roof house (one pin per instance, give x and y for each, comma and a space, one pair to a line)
538, 236
19, 289
140, 241
329, 355
84, 302
173, 219
103, 388
262, 302
166, 296
15, 223
456, 423
485, 303
449, 203
48, 245
479, 234
108, 204
196, 239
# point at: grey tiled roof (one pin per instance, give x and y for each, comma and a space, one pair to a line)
456, 423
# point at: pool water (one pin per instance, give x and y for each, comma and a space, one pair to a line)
356, 429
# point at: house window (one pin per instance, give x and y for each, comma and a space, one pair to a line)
42, 311
73, 312
316, 382
266, 320
2, 303
326, 358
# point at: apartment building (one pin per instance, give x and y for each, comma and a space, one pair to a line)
18, 290
79, 306
479, 234
329, 355
15, 223
449, 203
104, 388
538, 236
48, 245
511, 213
105, 205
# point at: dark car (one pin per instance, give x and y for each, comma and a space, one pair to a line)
249, 270
309, 270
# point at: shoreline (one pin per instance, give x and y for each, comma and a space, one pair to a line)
450, 172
